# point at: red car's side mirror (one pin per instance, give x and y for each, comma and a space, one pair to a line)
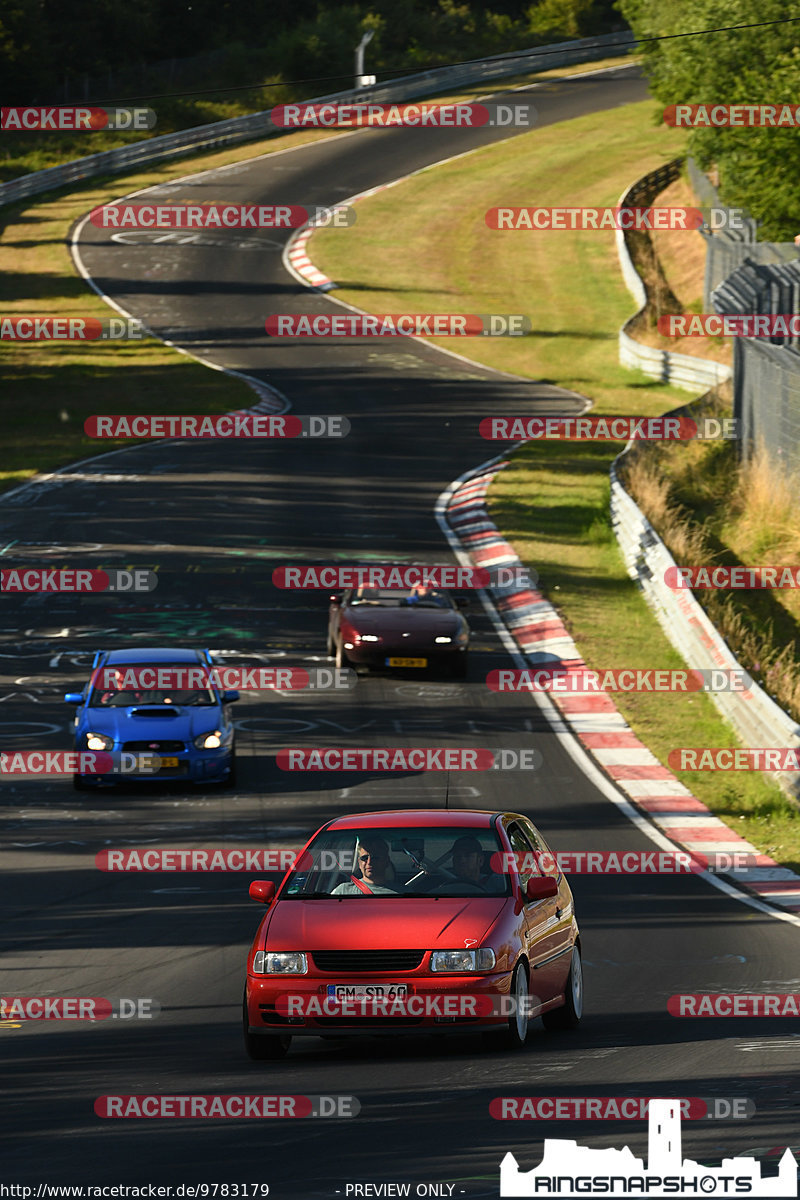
540, 887
262, 890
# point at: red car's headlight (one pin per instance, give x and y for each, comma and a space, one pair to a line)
458, 961
281, 962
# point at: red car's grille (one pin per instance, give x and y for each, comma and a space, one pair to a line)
350, 962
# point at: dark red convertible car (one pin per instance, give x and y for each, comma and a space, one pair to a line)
385, 627
417, 921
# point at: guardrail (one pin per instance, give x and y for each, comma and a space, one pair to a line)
259, 125
754, 715
682, 370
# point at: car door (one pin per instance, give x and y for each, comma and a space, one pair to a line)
543, 921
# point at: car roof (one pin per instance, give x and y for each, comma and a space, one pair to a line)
416, 817
153, 654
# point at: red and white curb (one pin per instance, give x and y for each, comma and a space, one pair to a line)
301, 264
541, 637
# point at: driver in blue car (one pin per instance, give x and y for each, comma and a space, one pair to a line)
372, 857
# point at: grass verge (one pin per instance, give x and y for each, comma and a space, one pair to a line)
552, 503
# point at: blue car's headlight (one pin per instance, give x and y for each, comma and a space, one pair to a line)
99, 741
209, 741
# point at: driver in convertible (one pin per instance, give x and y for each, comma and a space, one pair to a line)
372, 857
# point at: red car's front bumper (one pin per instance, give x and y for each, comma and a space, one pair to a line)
299, 1005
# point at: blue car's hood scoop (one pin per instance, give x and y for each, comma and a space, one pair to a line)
166, 710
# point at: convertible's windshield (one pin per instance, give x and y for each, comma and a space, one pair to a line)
127, 685
400, 862
388, 598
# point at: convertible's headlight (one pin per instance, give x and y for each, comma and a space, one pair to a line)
368, 637
209, 741
280, 962
458, 961
443, 641
99, 741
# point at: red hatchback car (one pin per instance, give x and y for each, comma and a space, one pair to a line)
414, 921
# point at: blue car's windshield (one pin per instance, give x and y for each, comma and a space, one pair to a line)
128, 684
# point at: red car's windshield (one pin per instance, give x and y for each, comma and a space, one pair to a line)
386, 598
400, 862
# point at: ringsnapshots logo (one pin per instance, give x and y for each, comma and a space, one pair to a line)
70, 329
732, 116
73, 118
607, 429
369, 325
14, 580
226, 425
222, 216
376, 115
570, 1170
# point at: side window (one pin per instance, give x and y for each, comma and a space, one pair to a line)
525, 854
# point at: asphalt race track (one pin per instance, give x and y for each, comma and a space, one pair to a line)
214, 519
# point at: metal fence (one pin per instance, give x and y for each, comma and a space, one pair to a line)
260, 125
729, 248
766, 400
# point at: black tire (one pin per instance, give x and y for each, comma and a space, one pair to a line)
331, 645
516, 1035
569, 1015
263, 1047
342, 660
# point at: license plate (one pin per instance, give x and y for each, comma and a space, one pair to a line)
406, 662
169, 762
372, 991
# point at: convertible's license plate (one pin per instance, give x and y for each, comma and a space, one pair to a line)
169, 762
406, 662
372, 991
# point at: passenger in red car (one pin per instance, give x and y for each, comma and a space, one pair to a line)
372, 857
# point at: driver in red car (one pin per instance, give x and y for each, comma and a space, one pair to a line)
372, 857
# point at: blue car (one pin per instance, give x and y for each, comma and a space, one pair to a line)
155, 708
